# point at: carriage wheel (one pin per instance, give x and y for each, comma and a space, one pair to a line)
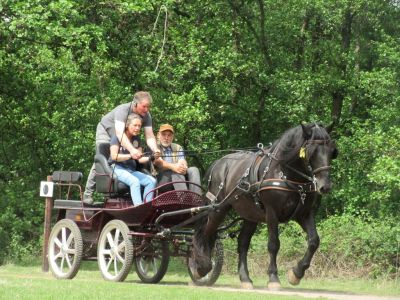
65, 249
115, 251
152, 263
217, 260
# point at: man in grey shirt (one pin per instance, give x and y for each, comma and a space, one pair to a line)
113, 123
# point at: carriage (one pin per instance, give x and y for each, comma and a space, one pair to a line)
273, 185
118, 234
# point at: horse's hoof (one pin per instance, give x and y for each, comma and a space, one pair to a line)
246, 285
292, 278
274, 286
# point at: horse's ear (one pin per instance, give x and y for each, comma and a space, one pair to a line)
329, 128
306, 130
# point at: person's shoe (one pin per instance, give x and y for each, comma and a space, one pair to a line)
88, 200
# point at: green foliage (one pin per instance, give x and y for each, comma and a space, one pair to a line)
20, 224
366, 242
230, 74
358, 244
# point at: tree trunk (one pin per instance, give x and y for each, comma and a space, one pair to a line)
302, 39
339, 94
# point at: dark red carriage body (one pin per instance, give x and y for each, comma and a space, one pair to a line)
117, 234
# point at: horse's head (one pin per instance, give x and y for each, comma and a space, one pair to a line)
317, 152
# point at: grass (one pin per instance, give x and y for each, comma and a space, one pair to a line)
29, 282
18, 282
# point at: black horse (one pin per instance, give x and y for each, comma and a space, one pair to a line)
277, 184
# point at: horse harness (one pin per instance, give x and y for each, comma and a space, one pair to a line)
250, 183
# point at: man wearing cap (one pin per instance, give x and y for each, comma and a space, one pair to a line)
173, 166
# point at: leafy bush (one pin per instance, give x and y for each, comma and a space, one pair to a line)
350, 246
20, 223
362, 242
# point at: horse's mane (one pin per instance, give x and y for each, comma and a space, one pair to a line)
287, 147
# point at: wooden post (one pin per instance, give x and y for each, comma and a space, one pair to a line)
47, 227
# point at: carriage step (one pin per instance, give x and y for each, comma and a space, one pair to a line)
59, 203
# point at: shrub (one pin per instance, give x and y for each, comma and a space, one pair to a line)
350, 246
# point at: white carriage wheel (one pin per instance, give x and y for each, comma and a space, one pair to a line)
217, 260
115, 251
65, 249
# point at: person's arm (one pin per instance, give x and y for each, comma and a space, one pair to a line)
143, 159
151, 141
125, 142
115, 156
179, 167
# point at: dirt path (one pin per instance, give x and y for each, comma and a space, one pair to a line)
309, 294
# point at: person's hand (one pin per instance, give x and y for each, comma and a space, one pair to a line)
157, 153
180, 169
158, 162
136, 153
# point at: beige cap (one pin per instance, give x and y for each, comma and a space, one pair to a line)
165, 127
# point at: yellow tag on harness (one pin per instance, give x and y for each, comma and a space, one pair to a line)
302, 153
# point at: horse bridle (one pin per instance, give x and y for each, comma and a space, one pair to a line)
307, 162
319, 142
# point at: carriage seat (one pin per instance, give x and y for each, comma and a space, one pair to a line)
106, 179
67, 176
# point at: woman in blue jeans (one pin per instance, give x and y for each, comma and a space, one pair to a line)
125, 167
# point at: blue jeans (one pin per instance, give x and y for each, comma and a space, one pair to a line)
135, 179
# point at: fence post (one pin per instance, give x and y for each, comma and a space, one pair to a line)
47, 227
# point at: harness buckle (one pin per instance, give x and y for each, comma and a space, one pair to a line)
211, 197
244, 186
302, 193
303, 197
314, 182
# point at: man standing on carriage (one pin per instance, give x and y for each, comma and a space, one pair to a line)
113, 123
172, 166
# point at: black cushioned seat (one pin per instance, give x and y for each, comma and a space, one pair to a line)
106, 180
67, 176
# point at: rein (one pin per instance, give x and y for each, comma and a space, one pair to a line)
197, 153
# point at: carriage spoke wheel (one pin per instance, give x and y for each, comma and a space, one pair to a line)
217, 260
115, 251
152, 263
65, 249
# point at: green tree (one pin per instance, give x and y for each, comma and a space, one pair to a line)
228, 74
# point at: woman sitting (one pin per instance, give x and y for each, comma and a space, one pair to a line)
126, 168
